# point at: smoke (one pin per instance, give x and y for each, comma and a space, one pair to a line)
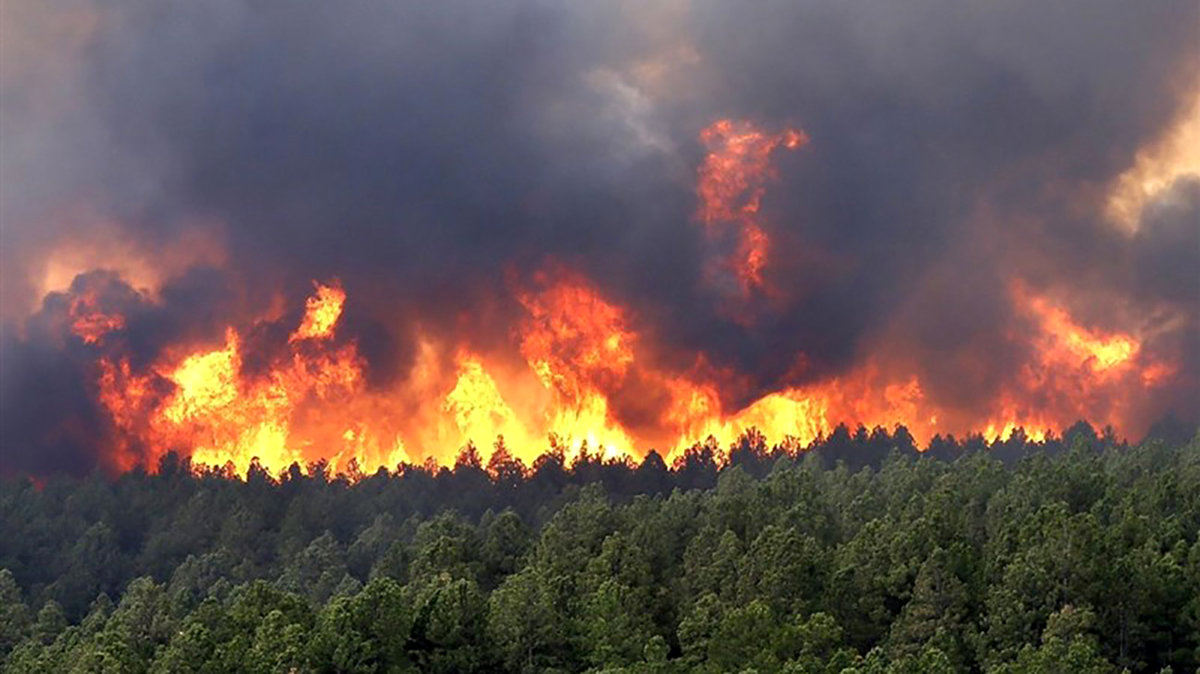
434, 157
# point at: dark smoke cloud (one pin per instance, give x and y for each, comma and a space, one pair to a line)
420, 152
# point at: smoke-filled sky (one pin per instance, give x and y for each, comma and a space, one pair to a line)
199, 165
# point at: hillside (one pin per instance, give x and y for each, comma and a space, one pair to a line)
1078, 555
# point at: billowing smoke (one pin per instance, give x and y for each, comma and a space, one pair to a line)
964, 214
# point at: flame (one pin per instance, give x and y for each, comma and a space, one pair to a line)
573, 338
801, 415
580, 350
479, 410
205, 381
322, 312
731, 184
577, 363
1066, 341
89, 322
129, 399
1074, 372
579, 345
225, 416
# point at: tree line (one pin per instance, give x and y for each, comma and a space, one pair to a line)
857, 554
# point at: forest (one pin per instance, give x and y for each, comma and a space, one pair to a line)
857, 554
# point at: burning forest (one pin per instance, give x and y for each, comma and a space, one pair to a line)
379, 238
641, 336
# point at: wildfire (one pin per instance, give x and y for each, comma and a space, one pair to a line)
480, 412
574, 339
577, 363
223, 416
205, 381
1064, 340
580, 350
89, 322
801, 415
731, 184
322, 313
1074, 372
580, 346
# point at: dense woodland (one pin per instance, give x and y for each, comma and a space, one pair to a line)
857, 554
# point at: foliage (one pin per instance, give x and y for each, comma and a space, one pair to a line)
857, 555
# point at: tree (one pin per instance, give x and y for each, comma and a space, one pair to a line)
784, 569
445, 546
14, 615
280, 644
936, 616
614, 625
524, 624
1065, 560
449, 631
51, 622
506, 541
318, 571
143, 620
236, 632
368, 632
1055, 655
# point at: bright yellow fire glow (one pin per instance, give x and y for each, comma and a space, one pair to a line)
322, 312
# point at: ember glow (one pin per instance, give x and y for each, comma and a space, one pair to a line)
217, 245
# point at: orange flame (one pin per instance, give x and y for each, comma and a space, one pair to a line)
1064, 340
224, 416
322, 312
732, 183
1074, 373
580, 350
577, 361
579, 345
89, 322
573, 338
480, 411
